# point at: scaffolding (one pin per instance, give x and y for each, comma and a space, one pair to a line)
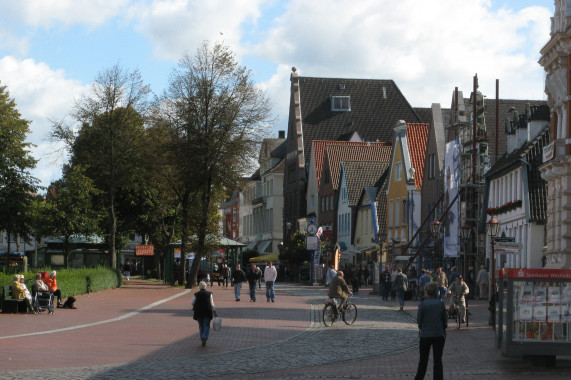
468, 125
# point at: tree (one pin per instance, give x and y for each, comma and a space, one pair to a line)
70, 210
111, 118
295, 251
17, 185
216, 118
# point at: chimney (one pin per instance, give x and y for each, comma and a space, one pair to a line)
281, 134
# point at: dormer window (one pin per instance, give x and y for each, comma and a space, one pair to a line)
340, 103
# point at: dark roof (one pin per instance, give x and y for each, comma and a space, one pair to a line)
280, 150
373, 115
361, 174
531, 152
425, 114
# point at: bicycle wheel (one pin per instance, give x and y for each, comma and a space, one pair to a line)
457, 316
350, 314
328, 315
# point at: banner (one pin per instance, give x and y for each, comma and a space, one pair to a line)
452, 178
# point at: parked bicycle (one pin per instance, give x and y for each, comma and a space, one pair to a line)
331, 312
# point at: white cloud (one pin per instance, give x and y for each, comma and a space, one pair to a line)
428, 47
40, 94
45, 14
178, 26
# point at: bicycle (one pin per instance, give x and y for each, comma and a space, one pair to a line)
331, 312
454, 313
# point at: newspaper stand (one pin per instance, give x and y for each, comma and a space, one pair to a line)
533, 316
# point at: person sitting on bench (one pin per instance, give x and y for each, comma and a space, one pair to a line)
51, 282
19, 293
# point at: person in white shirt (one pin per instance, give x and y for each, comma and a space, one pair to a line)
270, 275
331, 273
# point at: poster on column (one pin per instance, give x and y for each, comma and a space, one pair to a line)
451, 180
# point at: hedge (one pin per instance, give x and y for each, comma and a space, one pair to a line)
73, 281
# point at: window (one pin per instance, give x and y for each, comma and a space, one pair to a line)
431, 166
398, 171
340, 103
404, 204
397, 212
390, 213
234, 215
312, 201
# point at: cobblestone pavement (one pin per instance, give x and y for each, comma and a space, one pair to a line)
144, 331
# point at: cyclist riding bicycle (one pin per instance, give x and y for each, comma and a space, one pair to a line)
458, 291
339, 289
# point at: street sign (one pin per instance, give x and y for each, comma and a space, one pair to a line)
311, 243
508, 247
327, 233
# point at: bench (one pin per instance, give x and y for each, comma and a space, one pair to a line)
11, 305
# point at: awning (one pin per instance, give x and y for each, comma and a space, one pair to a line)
343, 245
268, 257
252, 244
263, 245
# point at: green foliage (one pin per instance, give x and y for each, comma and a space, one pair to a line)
16, 183
215, 118
294, 251
74, 281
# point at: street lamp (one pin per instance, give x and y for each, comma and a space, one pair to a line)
466, 234
493, 227
435, 230
381, 237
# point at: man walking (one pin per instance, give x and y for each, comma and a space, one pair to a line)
238, 276
270, 275
482, 281
400, 286
442, 281
253, 275
331, 273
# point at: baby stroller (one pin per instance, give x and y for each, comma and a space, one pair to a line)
42, 300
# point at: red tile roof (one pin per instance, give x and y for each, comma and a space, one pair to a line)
417, 137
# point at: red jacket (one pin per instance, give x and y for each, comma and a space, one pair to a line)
51, 283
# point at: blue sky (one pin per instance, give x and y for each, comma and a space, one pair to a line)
51, 50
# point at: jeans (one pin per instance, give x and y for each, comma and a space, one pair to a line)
400, 296
386, 290
437, 344
253, 291
204, 327
237, 288
270, 290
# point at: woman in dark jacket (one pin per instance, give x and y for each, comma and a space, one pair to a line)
203, 307
432, 321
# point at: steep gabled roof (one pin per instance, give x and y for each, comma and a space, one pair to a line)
361, 174
319, 152
417, 137
379, 152
376, 105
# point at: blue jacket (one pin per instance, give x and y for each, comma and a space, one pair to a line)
432, 318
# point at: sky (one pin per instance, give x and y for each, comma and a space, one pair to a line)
50, 51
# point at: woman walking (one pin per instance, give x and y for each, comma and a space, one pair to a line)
203, 307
